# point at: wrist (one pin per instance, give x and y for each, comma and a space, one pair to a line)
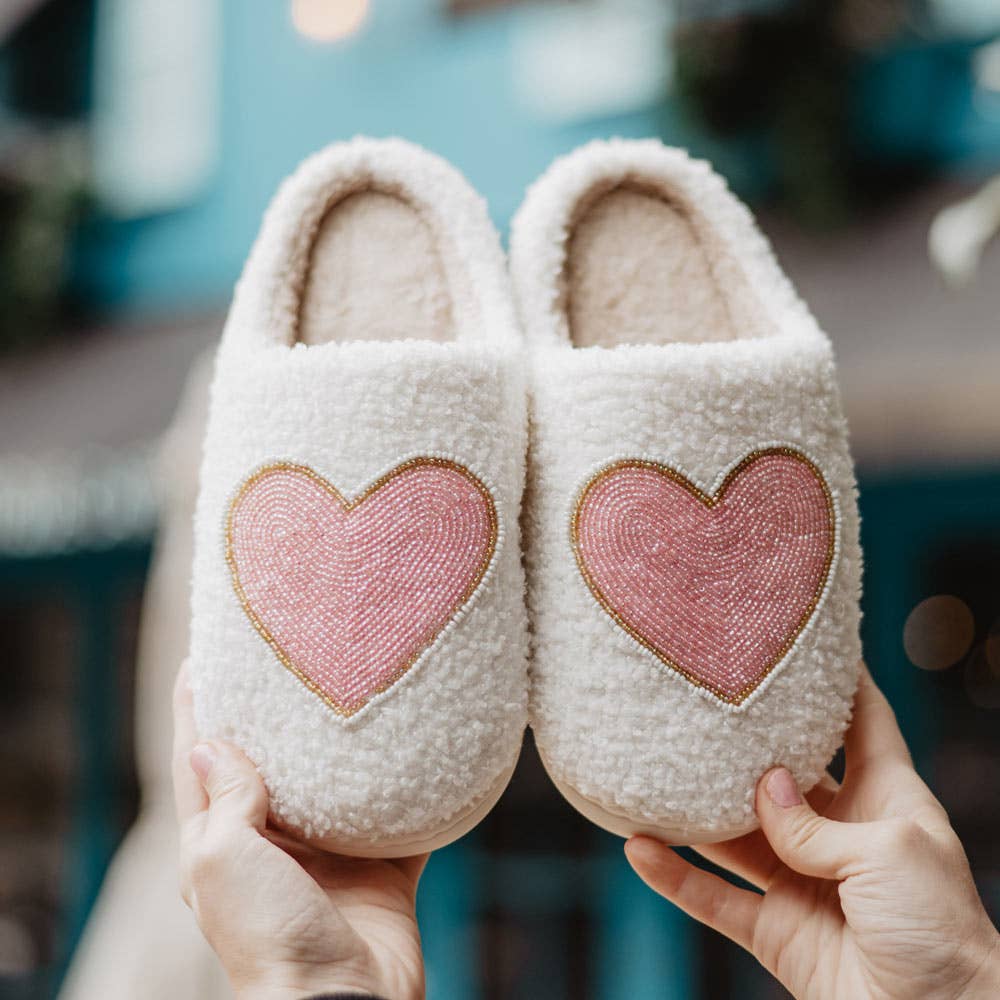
984, 982
300, 984
309, 994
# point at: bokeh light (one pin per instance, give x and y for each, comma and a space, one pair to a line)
992, 647
938, 632
328, 20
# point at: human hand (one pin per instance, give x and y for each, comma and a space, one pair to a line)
285, 919
866, 888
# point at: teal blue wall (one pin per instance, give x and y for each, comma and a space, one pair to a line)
444, 82
449, 83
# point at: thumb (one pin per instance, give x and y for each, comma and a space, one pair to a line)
235, 790
805, 841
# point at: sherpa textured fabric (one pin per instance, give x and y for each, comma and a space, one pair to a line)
340, 482
691, 529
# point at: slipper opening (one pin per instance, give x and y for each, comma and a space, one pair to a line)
640, 270
643, 266
374, 240
375, 272
630, 242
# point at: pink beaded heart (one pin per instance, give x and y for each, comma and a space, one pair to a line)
718, 586
350, 593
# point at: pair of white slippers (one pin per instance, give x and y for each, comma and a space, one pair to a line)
685, 494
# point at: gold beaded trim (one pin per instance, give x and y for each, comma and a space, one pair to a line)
349, 505
710, 500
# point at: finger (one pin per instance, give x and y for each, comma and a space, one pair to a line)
822, 794
706, 897
805, 841
750, 856
236, 793
874, 734
189, 796
412, 867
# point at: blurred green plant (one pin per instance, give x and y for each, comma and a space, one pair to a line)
787, 72
43, 195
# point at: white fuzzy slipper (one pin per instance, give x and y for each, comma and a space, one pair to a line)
690, 524
358, 620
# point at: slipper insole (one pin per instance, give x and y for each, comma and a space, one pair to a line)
638, 272
375, 273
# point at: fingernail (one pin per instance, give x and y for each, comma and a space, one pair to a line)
202, 760
782, 790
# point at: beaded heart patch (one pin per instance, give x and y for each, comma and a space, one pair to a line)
350, 593
719, 586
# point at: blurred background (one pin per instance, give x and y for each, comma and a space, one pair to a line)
139, 143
